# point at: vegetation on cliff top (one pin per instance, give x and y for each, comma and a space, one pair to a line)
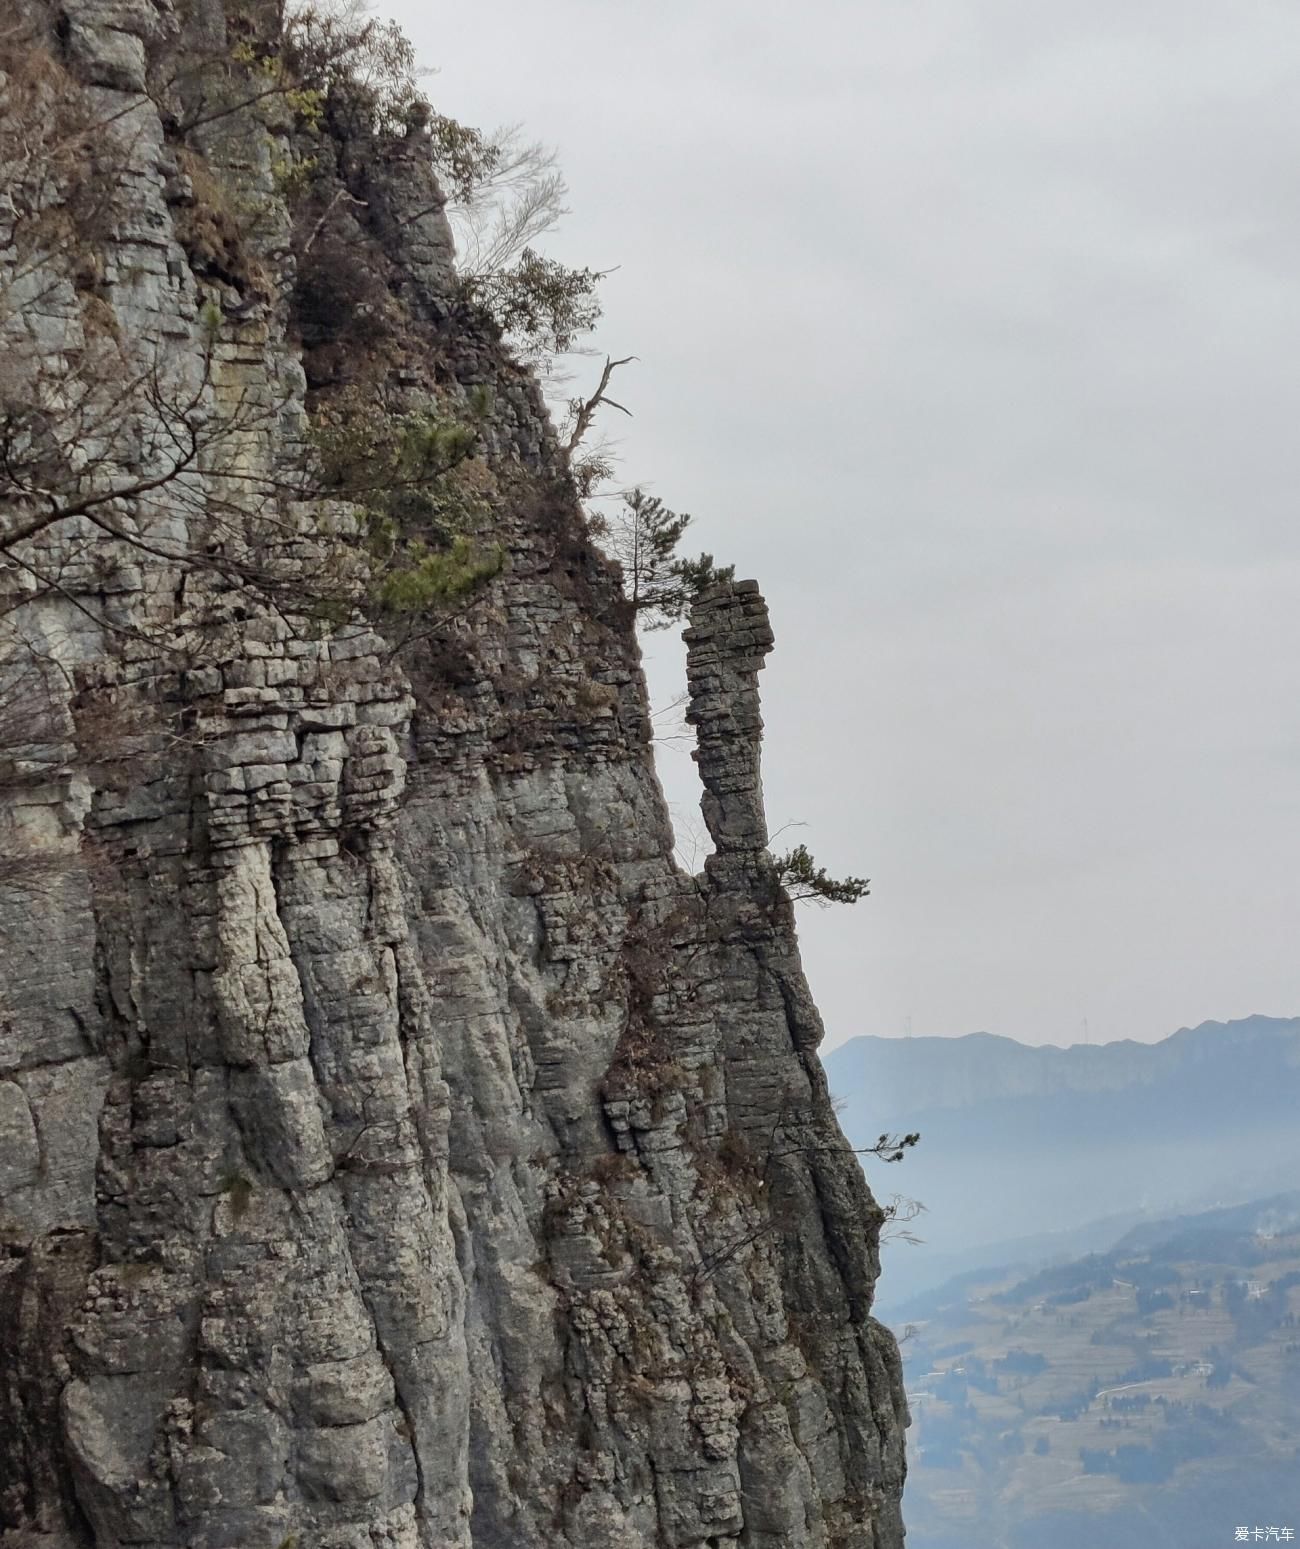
122, 440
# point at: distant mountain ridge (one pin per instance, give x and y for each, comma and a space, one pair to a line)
938, 1072
1033, 1145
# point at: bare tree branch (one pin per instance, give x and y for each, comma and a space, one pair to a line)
583, 411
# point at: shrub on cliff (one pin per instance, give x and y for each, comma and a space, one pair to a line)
503, 191
409, 477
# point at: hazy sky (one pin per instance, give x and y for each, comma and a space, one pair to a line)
972, 331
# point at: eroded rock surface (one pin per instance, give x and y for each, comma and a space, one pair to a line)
396, 1148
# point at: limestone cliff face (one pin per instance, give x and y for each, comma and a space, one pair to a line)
396, 1148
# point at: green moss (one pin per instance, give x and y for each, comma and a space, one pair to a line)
238, 1189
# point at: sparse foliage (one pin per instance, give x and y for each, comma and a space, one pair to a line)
58, 157
504, 193
900, 1212
319, 47
331, 59
804, 880
890, 1148
895, 1218
540, 304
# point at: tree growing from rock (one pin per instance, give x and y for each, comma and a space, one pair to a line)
805, 881
643, 537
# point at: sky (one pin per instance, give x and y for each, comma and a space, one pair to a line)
971, 330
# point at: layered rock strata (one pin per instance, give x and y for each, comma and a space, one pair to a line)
396, 1148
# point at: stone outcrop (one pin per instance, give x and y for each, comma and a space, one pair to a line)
396, 1148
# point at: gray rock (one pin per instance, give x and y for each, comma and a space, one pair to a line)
396, 1148
20, 1153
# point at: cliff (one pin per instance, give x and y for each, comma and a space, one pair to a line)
396, 1148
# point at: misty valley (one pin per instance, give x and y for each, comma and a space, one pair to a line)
1132, 1378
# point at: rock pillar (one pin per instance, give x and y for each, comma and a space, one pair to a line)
727, 645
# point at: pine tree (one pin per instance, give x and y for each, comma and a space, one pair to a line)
643, 538
803, 878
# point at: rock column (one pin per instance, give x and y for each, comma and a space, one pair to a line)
727, 645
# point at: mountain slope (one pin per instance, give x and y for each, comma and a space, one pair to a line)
1146, 1395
